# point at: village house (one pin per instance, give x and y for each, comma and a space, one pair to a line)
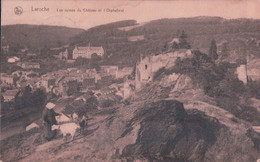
126, 71
129, 88
8, 79
30, 65
47, 84
24, 50
60, 90
31, 54
108, 91
4, 85
80, 74
64, 55
32, 83
87, 52
118, 87
9, 95
21, 83
5, 48
88, 83
25, 74
84, 97
107, 70
60, 86
91, 73
105, 81
13, 59
19, 73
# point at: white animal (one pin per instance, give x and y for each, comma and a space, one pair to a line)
31, 126
62, 118
67, 128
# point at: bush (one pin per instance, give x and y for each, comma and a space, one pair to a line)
220, 82
30, 99
253, 88
158, 74
107, 103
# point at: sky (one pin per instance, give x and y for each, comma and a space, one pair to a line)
142, 11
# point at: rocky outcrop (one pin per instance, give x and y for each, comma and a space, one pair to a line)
169, 133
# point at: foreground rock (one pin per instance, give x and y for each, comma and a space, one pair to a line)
169, 133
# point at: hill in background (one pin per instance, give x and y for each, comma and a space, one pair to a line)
242, 37
37, 36
121, 39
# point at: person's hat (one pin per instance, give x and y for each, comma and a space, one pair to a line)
50, 105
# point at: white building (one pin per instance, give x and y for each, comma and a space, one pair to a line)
242, 73
9, 95
121, 73
87, 52
13, 59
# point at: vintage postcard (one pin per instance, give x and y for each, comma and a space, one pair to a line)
130, 80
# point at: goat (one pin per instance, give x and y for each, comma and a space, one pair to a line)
67, 128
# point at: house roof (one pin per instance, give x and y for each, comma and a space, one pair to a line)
31, 63
84, 97
108, 90
89, 81
89, 48
3, 84
12, 92
127, 69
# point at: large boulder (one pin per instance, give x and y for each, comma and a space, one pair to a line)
169, 133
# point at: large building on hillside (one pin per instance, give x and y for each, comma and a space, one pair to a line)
87, 52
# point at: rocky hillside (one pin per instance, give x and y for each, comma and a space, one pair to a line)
171, 122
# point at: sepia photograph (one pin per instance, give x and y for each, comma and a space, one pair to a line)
130, 81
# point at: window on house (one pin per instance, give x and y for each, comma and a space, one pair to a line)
145, 67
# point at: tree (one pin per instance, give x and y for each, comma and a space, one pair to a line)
2, 99
27, 91
165, 47
81, 61
183, 41
213, 50
39, 97
224, 51
27, 96
73, 87
175, 45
